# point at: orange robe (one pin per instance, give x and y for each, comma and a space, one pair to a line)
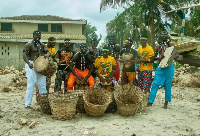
72, 78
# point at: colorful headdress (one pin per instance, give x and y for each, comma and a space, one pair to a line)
67, 40
83, 44
143, 37
52, 40
106, 48
36, 32
129, 41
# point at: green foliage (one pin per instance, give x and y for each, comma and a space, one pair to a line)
177, 65
148, 15
192, 24
89, 33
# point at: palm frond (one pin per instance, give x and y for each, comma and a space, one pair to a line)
112, 4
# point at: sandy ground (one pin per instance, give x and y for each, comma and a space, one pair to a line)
182, 118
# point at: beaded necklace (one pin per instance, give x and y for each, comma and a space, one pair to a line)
83, 61
38, 46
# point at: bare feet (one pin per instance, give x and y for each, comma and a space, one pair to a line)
165, 105
149, 104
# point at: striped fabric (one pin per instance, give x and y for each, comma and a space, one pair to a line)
144, 80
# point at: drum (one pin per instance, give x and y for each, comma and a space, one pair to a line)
79, 85
169, 54
45, 66
126, 59
107, 86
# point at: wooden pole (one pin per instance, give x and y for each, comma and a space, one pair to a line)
183, 19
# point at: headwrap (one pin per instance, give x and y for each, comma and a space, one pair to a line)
82, 44
67, 40
129, 41
106, 48
143, 37
36, 32
164, 32
111, 36
52, 40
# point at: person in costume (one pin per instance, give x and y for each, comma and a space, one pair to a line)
163, 76
128, 57
105, 66
114, 51
95, 51
51, 48
81, 67
145, 56
63, 57
32, 51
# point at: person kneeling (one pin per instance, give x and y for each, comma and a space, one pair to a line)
105, 67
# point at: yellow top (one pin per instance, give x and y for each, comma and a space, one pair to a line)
51, 50
104, 65
145, 54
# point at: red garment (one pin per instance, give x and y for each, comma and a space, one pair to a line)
117, 71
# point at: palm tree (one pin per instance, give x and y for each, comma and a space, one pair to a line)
151, 10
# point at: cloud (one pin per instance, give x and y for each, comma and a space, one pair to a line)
74, 9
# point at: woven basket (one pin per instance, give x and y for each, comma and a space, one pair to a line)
63, 106
96, 101
80, 85
128, 99
80, 103
44, 103
112, 107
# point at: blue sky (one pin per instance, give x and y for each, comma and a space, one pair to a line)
75, 9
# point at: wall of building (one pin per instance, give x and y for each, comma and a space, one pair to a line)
11, 55
24, 28
28, 28
72, 29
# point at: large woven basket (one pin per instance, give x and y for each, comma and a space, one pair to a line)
96, 101
44, 103
80, 103
128, 99
112, 107
63, 106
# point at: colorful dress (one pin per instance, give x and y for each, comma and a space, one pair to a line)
145, 69
104, 67
163, 77
113, 52
128, 74
63, 70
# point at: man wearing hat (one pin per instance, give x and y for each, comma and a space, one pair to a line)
63, 57
32, 51
128, 56
145, 55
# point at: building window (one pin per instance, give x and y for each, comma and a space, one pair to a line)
56, 28
43, 27
6, 26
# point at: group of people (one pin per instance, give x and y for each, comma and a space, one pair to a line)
91, 65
